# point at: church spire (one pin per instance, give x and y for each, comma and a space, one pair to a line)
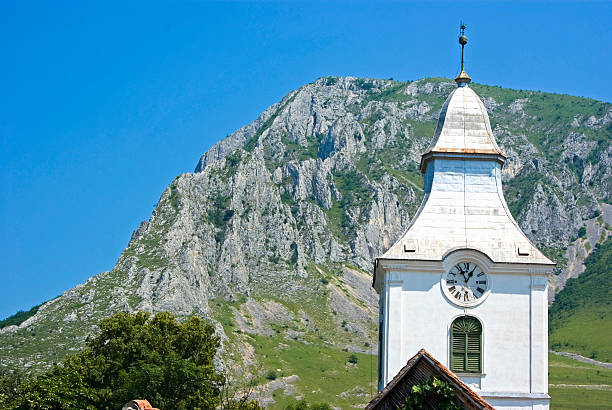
464, 129
463, 79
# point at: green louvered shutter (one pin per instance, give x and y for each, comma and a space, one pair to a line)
457, 352
473, 352
466, 346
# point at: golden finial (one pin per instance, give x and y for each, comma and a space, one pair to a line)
462, 79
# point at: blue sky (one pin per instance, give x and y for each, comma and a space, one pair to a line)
105, 103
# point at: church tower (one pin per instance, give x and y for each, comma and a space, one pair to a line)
464, 282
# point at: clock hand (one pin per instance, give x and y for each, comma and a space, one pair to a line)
471, 273
462, 272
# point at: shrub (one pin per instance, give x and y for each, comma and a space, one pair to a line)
304, 405
432, 393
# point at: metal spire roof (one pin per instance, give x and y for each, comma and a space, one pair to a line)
463, 128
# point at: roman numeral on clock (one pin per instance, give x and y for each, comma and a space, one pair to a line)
481, 290
480, 274
481, 282
451, 281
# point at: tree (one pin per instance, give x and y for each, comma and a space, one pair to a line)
134, 356
10, 386
431, 394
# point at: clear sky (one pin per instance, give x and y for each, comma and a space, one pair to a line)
103, 103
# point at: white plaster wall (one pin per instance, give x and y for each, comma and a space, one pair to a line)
418, 315
539, 334
518, 404
506, 320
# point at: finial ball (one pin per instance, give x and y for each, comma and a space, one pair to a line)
463, 40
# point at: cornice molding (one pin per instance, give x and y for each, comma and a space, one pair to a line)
407, 265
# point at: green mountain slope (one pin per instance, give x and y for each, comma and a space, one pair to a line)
578, 386
581, 317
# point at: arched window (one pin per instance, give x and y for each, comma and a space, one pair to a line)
466, 345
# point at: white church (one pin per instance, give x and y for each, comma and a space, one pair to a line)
464, 282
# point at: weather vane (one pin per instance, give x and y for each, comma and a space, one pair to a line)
462, 79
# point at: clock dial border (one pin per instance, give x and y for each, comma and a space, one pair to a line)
462, 303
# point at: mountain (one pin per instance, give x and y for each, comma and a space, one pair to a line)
580, 318
273, 236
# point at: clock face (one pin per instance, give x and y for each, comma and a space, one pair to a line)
466, 283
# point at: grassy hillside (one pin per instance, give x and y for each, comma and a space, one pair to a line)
574, 385
580, 318
297, 354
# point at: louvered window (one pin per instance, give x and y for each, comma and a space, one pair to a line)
466, 345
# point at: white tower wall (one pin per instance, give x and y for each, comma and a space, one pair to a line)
464, 218
515, 353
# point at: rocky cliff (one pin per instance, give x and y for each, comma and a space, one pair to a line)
274, 233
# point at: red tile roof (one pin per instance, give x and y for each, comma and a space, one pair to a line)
142, 405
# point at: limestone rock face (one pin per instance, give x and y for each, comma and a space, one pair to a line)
275, 231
